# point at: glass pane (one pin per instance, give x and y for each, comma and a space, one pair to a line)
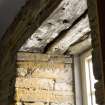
92, 81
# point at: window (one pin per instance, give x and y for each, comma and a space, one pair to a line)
88, 79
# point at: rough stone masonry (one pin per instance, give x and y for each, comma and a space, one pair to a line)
44, 80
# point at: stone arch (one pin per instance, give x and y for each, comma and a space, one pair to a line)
13, 39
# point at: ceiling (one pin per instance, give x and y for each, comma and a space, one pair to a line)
65, 26
8, 11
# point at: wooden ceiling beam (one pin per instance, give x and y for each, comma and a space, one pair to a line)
61, 19
72, 36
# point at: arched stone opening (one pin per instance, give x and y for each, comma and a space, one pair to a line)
27, 22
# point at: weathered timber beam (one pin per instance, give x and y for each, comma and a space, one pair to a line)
76, 32
62, 18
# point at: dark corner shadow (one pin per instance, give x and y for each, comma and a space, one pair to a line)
8, 74
97, 19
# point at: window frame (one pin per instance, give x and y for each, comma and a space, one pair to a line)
85, 78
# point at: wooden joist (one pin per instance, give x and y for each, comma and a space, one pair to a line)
73, 35
61, 19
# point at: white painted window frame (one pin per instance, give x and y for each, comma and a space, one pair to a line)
84, 68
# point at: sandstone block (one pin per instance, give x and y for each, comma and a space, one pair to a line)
21, 56
21, 72
58, 75
44, 95
63, 86
40, 65
35, 83
66, 76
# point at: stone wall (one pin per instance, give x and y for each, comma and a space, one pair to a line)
44, 80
